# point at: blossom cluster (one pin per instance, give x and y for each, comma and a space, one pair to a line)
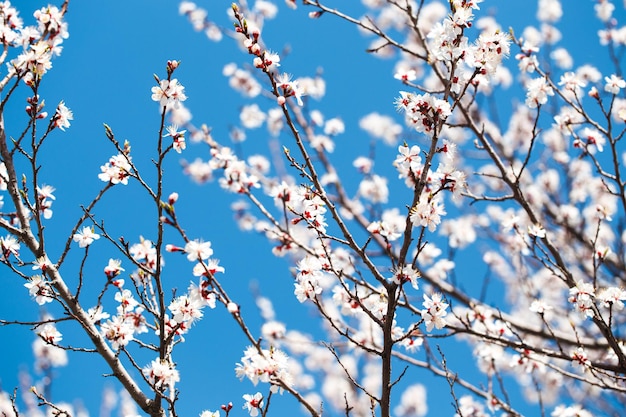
187, 309
169, 93
582, 297
424, 112
238, 176
117, 170
475, 64
161, 374
266, 60
435, 311
265, 365
39, 288
129, 321
9, 245
40, 43
307, 285
46, 197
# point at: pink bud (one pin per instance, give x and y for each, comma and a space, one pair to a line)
173, 248
281, 100
232, 308
172, 65
172, 198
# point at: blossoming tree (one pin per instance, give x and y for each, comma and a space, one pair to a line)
384, 244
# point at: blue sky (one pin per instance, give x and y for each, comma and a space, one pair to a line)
105, 74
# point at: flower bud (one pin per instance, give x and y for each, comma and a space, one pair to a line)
173, 248
172, 65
